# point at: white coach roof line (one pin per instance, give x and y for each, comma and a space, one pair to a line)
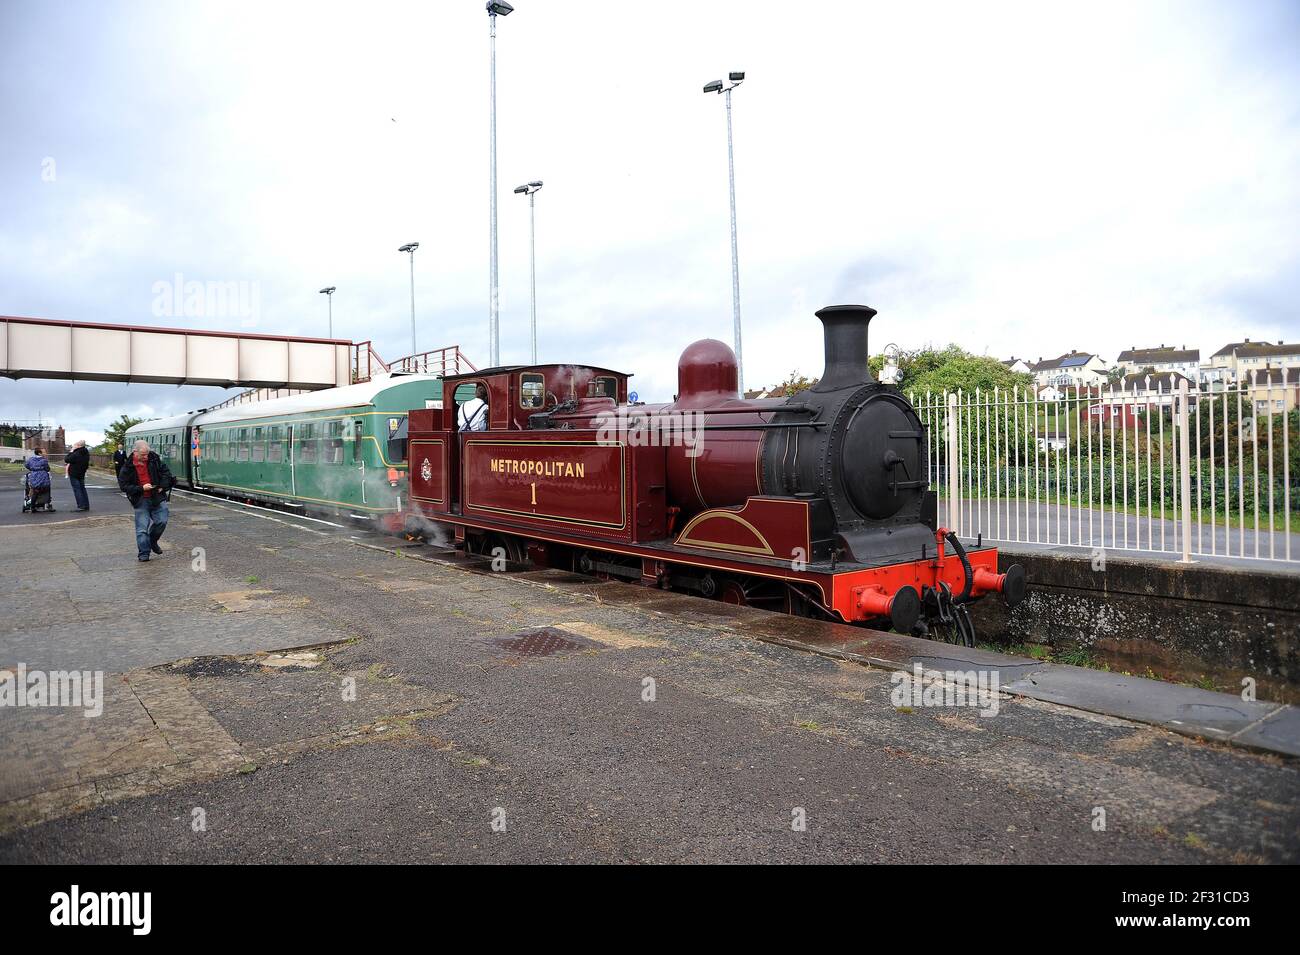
160, 424
329, 399
349, 396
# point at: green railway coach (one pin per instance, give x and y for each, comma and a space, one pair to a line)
340, 450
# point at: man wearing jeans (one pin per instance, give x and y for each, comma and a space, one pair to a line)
147, 483
75, 464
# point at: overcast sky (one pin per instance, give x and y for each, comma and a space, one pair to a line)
1016, 178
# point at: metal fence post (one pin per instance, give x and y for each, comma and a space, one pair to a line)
954, 494
1184, 459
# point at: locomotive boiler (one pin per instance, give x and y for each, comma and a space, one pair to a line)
817, 504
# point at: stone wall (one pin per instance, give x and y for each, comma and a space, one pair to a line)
1194, 623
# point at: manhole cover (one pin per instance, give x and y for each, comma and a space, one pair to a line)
541, 642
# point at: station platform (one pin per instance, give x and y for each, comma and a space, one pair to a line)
321, 693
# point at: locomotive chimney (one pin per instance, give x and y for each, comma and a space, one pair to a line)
844, 330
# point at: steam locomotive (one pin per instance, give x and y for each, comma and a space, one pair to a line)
817, 504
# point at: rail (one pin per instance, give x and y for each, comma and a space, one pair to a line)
439, 361
366, 362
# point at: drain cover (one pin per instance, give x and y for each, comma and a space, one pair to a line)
541, 642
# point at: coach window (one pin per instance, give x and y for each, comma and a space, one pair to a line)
532, 390
397, 441
334, 446
603, 387
275, 450
241, 449
259, 445
358, 441
309, 445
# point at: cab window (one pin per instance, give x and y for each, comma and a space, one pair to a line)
603, 387
532, 390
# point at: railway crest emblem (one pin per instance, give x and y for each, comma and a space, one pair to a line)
426, 469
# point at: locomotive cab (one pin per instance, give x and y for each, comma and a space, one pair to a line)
519, 399
516, 393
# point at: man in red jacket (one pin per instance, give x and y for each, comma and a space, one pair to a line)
147, 484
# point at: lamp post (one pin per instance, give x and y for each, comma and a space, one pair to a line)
329, 297
531, 189
495, 8
410, 248
718, 86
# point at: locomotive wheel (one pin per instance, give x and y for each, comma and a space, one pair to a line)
763, 594
516, 551
486, 545
605, 566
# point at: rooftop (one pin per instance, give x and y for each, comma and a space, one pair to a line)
1072, 359
1159, 355
1257, 349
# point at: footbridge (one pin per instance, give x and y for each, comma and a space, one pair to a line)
88, 351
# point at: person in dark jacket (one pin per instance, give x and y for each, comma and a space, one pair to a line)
38, 481
119, 459
75, 463
147, 484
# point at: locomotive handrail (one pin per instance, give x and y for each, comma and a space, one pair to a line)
780, 409
763, 426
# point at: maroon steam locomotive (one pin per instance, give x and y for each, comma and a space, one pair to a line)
817, 504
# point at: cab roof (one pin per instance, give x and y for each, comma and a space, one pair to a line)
510, 369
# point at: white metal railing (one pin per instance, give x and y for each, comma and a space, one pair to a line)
257, 394
438, 361
1139, 468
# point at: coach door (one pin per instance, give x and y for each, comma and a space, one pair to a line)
464, 392
293, 462
359, 453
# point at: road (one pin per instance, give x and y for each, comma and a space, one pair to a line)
1049, 525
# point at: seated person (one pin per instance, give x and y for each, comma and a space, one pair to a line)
473, 414
39, 491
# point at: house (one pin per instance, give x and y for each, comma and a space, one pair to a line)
1050, 393
1017, 366
1184, 360
1124, 413
1073, 368
1274, 390
28, 435
1235, 360
1160, 388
